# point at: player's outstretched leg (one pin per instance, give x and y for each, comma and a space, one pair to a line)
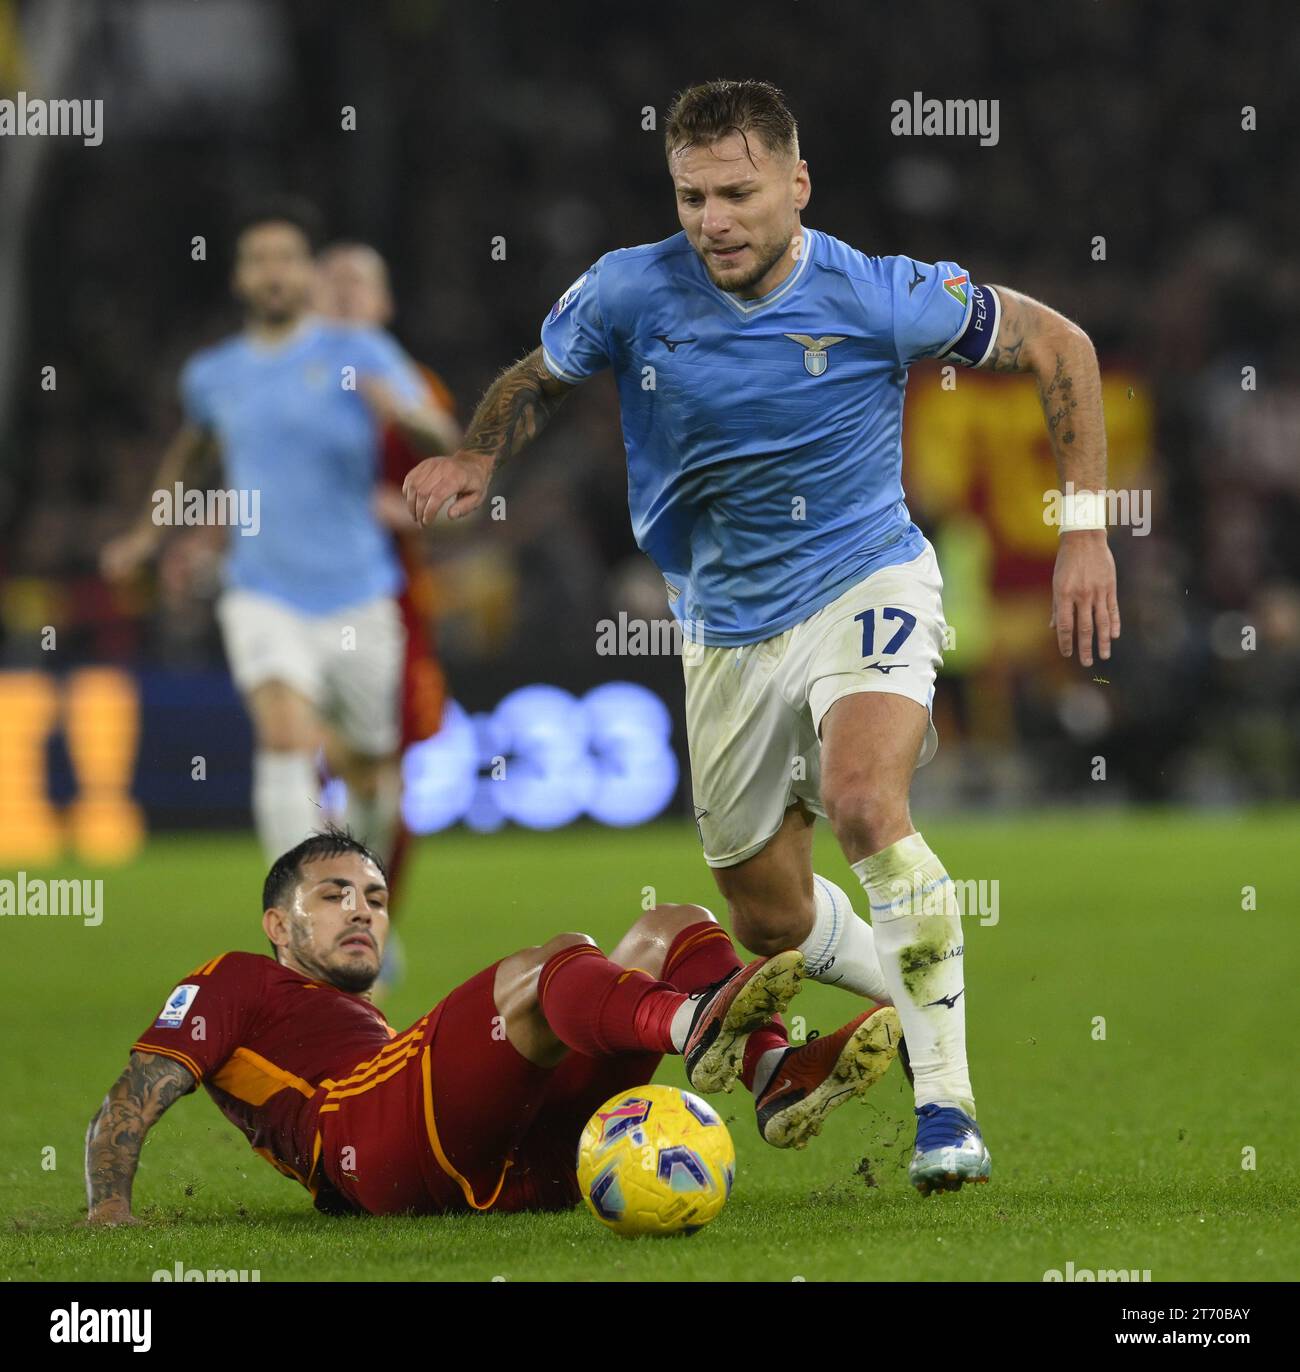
601, 1008
811, 1080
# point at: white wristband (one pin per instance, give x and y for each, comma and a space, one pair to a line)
1083, 510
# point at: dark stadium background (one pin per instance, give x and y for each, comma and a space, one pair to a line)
525, 121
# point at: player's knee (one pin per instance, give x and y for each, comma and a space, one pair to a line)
544, 952
517, 975
647, 943
767, 929
520, 969
865, 817
665, 922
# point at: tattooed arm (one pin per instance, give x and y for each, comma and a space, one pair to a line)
514, 411
1032, 338
134, 1104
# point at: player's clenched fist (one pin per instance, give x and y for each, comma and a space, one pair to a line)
461, 478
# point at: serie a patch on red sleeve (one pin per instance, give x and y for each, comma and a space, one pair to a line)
177, 1007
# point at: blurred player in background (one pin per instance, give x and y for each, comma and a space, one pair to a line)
479, 1104
761, 368
353, 286
296, 407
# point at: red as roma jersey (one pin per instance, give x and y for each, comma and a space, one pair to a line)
264, 1039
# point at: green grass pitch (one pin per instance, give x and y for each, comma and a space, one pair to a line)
1122, 1152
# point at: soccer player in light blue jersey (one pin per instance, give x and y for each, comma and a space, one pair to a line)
761, 366
294, 405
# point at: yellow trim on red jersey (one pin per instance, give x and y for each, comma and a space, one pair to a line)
250, 1077
394, 1065
313, 1181
390, 1052
183, 1058
281, 1167
443, 1161
206, 969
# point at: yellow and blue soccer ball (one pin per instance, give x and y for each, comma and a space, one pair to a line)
655, 1160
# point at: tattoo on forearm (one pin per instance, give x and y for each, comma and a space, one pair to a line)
516, 408
1059, 403
1005, 356
136, 1101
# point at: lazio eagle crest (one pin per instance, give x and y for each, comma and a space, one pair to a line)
814, 350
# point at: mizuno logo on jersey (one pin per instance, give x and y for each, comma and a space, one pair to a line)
916, 280
700, 812
882, 668
672, 344
814, 350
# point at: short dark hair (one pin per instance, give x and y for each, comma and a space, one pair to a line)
286, 870
283, 209
701, 115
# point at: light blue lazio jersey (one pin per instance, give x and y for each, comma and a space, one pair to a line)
291, 429
763, 437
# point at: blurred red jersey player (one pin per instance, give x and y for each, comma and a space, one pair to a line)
353, 285
480, 1103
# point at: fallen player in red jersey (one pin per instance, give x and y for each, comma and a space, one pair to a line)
479, 1104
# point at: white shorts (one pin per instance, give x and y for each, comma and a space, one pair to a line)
754, 713
348, 664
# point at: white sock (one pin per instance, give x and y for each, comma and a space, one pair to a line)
681, 1023
841, 950
373, 819
764, 1068
919, 940
285, 799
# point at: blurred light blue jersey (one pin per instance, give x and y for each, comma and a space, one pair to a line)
764, 437
293, 425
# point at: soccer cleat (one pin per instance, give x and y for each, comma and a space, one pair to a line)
817, 1077
732, 1009
949, 1150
